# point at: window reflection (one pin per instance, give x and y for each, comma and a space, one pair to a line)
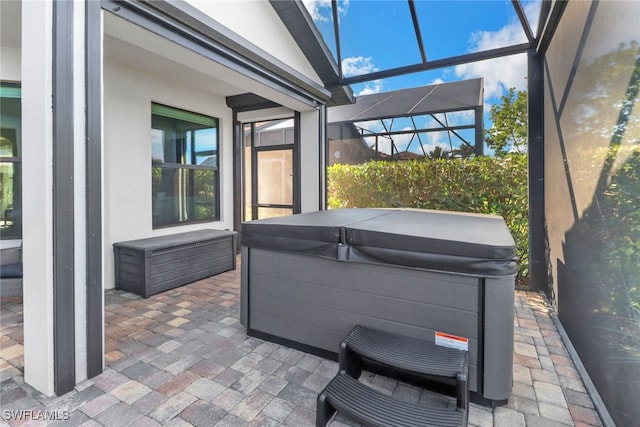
10, 162
184, 155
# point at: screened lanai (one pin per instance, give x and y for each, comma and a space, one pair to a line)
427, 121
582, 77
352, 32
400, 45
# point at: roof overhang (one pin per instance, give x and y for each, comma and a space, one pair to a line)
185, 25
299, 23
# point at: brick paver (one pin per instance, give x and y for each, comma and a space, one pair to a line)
182, 358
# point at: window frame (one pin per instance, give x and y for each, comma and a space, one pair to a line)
15, 161
180, 167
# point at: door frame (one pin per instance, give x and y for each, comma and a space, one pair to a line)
295, 147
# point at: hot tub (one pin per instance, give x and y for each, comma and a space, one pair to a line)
446, 277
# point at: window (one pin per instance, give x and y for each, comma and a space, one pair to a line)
184, 167
10, 162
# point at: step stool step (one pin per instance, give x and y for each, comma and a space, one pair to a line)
411, 354
402, 354
373, 408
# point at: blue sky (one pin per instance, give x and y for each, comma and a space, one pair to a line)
378, 35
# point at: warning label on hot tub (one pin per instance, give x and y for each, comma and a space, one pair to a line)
453, 341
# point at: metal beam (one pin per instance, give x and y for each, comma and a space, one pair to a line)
545, 7
452, 128
249, 102
416, 27
254, 172
296, 18
537, 220
406, 132
63, 200
479, 145
440, 63
93, 101
336, 31
523, 19
239, 190
551, 22
297, 164
323, 145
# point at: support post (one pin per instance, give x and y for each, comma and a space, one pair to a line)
537, 232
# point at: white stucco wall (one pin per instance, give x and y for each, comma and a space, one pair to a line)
37, 203
309, 161
128, 94
80, 189
256, 21
10, 64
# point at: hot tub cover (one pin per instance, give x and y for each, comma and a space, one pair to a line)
432, 240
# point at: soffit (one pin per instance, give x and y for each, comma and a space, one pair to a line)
136, 47
10, 23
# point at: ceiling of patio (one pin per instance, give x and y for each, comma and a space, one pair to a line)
10, 23
140, 49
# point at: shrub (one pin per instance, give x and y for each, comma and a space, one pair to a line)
481, 185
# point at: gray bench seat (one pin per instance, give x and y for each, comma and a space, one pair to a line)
11, 271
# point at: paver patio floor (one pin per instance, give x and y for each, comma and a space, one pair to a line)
182, 358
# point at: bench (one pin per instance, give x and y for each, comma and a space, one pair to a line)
156, 264
11, 272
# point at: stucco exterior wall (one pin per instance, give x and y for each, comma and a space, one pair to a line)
256, 21
10, 64
127, 208
309, 161
37, 203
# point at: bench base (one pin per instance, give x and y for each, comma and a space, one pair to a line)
10, 287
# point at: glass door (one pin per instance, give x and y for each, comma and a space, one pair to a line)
270, 153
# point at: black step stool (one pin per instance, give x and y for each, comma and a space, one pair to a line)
400, 357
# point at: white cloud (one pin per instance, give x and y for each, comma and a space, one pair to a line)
440, 120
374, 126
402, 141
374, 86
436, 139
499, 74
357, 65
532, 11
320, 10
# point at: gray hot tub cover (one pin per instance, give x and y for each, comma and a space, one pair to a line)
474, 244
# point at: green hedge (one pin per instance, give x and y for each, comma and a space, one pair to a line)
482, 185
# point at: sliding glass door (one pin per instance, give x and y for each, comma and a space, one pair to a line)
270, 153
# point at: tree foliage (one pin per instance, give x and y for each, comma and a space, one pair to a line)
509, 130
481, 184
